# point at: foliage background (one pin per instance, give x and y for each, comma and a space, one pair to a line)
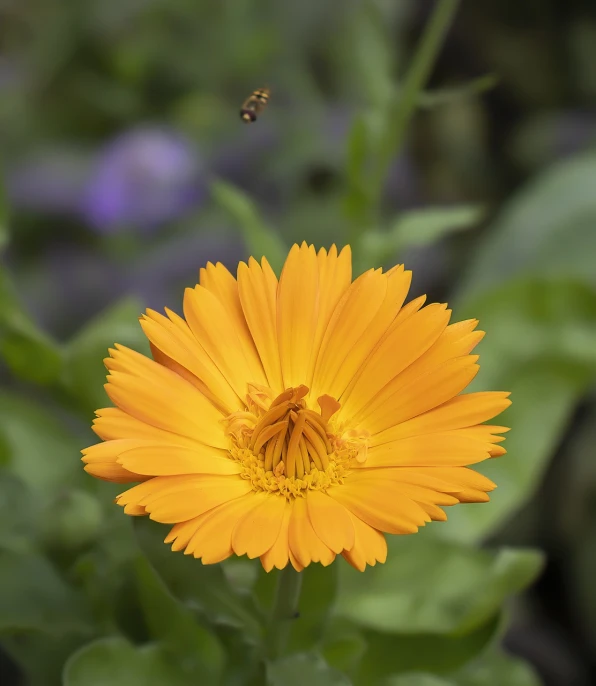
126, 168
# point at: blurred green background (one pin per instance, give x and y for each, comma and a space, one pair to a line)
125, 168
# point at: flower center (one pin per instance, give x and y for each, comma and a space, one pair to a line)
287, 447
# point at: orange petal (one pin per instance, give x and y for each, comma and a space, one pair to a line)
429, 450
398, 283
369, 548
175, 406
169, 460
214, 328
212, 540
335, 276
351, 318
398, 350
330, 521
422, 394
257, 287
462, 411
279, 553
376, 504
256, 532
297, 313
305, 545
179, 350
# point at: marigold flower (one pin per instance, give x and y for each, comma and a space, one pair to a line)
297, 420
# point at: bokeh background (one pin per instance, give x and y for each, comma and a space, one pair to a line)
125, 168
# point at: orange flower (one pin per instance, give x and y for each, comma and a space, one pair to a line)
300, 419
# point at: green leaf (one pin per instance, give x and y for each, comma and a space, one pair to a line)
203, 587
34, 597
319, 589
539, 346
116, 662
18, 511
417, 679
3, 218
304, 668
390, 654
40, 451
260, 239
29, 353
547, 228
198, 650
317, 598
343, 646
496, 667
432, 586
418, 227
85, 373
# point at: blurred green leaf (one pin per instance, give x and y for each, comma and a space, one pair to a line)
203, 587
417, 679
18, 511
41, 656
444, 96
41, 452
85, 373
197, 649
3, 217
319, 590
547, 228
116, 662
496, 667
304, 668
260, 239
29, 353
418, 227
34, 597
541, 346
343, 645
390, 654
491, 668
431, 586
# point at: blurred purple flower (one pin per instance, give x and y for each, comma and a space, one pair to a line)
143, 178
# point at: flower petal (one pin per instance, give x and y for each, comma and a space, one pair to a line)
350, 319
278, 555
256, 532
376, 503
305, 545
214, 328
330, 521
174, 406
452, 449
257, 288
369, 548
169, 460
172, 337
459, 412
420, 395
218, 280
297, 313
212, 540
399, 348
172, 499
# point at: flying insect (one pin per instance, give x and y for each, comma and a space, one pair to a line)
254, 105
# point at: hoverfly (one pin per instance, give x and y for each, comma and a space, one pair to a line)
254, 105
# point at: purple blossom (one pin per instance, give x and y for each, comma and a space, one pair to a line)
142, 179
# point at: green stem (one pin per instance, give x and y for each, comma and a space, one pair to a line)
284, 613
415, 81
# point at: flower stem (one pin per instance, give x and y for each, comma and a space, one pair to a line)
284, 612
424, 58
